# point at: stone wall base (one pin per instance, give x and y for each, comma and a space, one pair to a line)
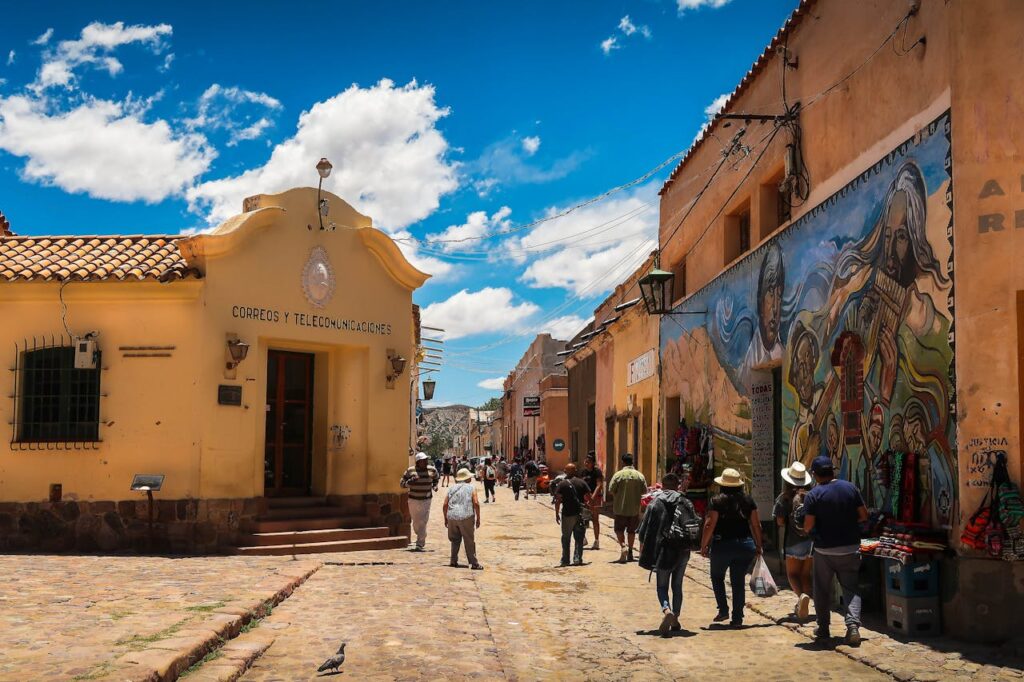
187, 526
982, 599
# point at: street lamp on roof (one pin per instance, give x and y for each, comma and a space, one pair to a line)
323, 168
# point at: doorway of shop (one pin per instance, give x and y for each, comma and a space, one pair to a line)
289, 438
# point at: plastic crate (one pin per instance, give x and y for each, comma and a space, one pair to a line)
918, 617
913, 579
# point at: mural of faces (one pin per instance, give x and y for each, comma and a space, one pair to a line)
804, 363
770, 285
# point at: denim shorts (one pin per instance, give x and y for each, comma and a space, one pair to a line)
801, 550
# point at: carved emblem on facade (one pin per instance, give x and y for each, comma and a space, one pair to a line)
318, 278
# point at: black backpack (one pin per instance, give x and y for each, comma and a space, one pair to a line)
683, 532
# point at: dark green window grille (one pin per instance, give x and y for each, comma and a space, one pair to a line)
56, 405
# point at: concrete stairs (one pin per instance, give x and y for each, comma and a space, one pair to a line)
309, 525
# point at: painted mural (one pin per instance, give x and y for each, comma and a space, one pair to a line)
853, 304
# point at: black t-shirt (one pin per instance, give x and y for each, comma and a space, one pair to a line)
532, 469
733, 515
571, 502
592, 476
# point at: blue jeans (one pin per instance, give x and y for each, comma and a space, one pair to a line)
844, 567
674, 577
734, 556
572, 529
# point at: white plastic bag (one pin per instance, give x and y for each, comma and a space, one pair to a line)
761, 582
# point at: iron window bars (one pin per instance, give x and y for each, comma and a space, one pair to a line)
56, 407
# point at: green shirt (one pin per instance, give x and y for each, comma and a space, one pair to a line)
627, 487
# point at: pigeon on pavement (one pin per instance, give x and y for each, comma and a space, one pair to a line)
334, 662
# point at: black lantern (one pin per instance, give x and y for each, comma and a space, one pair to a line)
656, 288
428, 389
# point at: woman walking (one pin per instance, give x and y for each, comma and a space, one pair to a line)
732, 538
797, 544
462, 518
664, 555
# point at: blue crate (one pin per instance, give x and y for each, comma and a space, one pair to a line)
913, 579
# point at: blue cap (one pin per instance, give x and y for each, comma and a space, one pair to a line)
821, 464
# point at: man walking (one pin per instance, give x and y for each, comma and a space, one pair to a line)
571, 495
421, 481
515, 477
626, 488
532, 472
490, 479
667, 553
595, 481
833, 512
461, 506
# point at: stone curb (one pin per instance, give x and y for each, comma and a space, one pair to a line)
235, 658
167, 659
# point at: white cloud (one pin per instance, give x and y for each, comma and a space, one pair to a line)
232, 109
486, 311
44, 38
610, 43
590, 244
564, 327
495, 384
166, 66
684, 5
10, 57
477, 225
94, 47
390, 160
530, 144
627, 26
504, 163
102, 148
438, 269
710, 111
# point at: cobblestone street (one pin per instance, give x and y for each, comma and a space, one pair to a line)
408, 616
522, 618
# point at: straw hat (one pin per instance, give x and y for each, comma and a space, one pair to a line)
797, 475
463, 475
730, 478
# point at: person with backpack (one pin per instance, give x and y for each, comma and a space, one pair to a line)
490, 480
571, 512
797, 545
515, 477
732, 538
532, 473
669, 531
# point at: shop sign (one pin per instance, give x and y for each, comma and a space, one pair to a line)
531, 406
762, 409
308, 320
558, 445
641, 368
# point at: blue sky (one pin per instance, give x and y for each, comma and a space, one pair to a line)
444, 121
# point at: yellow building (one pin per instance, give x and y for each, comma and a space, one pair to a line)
259, 368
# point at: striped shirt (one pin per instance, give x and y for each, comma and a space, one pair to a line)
421, 486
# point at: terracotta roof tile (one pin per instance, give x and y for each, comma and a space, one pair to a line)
134, 258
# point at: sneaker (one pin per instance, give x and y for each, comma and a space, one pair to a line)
722, 616
666, 622
736, 623
563, 564
821, 634
676, 625
803, 609
623, 556
853, 636
455, 564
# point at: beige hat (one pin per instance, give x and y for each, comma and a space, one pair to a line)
463, 475
797, 475
730, 478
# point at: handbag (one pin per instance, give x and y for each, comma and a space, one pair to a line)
584, 515
976, 528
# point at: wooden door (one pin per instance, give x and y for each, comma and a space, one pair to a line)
289, 437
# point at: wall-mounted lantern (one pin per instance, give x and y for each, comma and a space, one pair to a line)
323, 168
656, 288
428, 389
395, 366
238, 350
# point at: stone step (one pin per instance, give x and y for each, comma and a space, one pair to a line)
300, 537
311, 512
295, 525
292, 502
397, 542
